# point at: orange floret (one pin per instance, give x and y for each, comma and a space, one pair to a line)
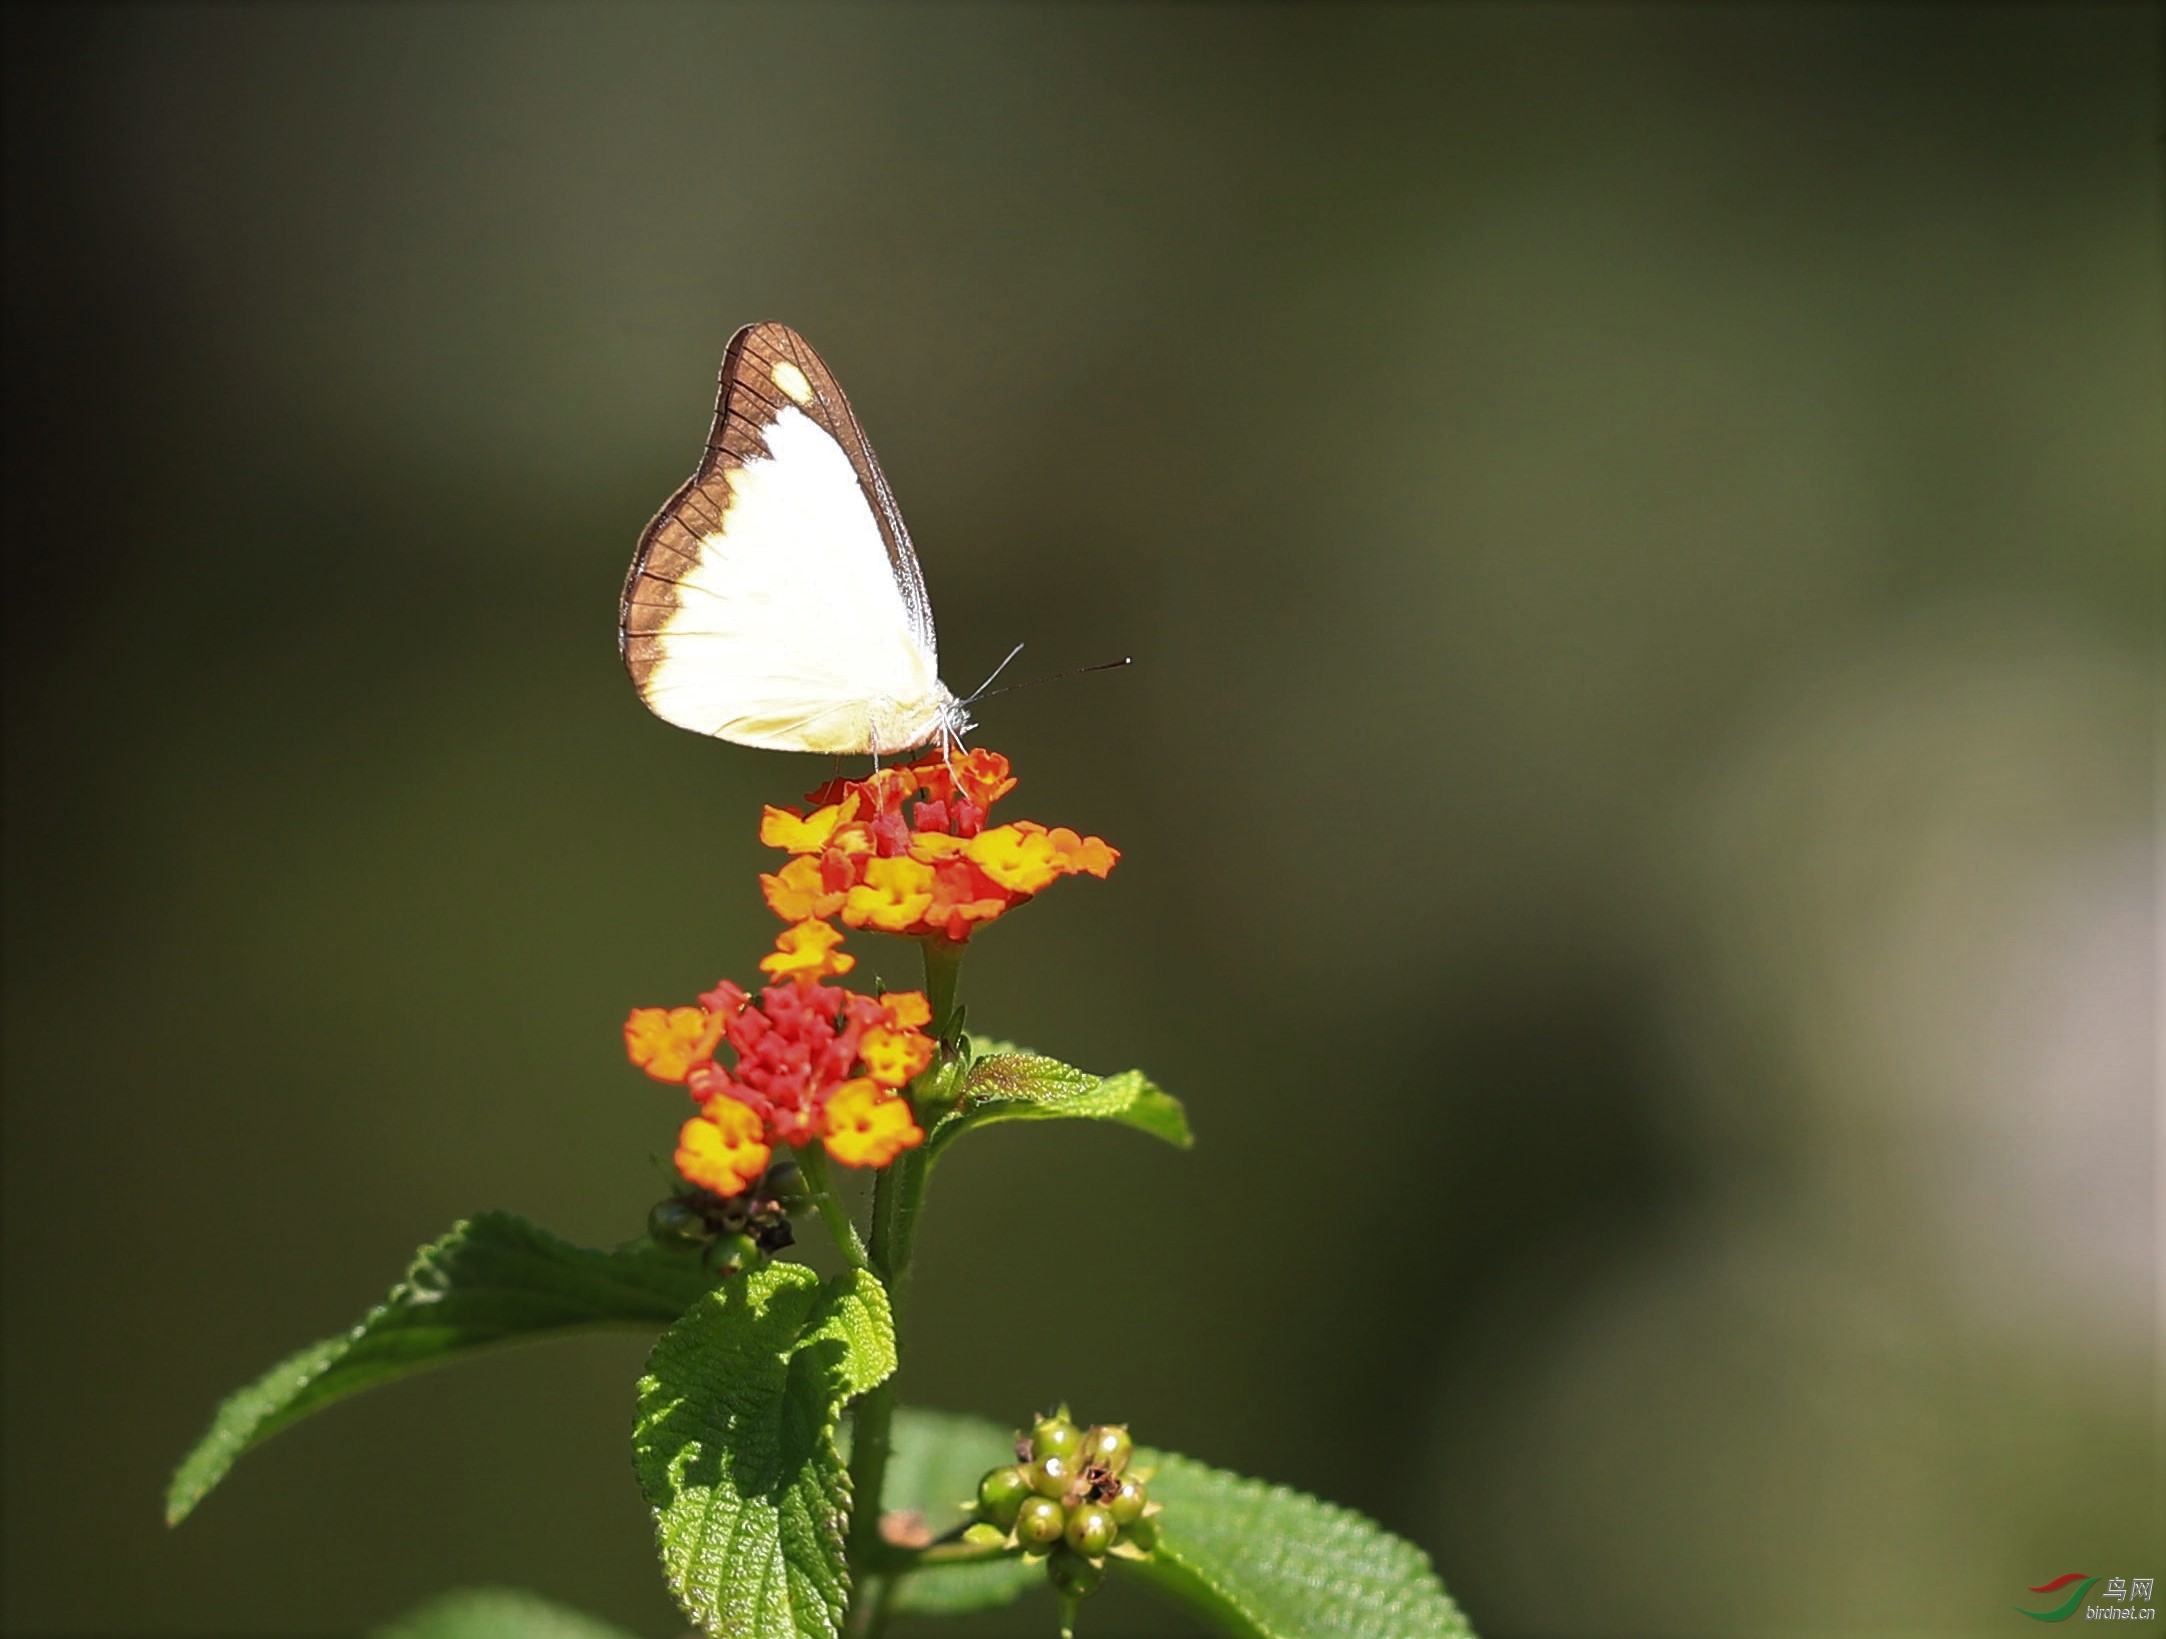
720, 1148
894, 894
667, 1041
892, 1057
937, 847
868, 1126
907, 1009
983, 776
806, 833
1019, 857
799, 891
1075, 853
807, 951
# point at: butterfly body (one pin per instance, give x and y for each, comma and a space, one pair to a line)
775, 600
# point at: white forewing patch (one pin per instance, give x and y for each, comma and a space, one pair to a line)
790, 630
791, 380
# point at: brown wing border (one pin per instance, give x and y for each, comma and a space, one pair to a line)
747, 401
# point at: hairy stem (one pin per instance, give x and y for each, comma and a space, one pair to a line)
812, 1162
896, 1197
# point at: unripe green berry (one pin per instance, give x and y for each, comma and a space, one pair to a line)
1039, 1522
676, 1220
785, 1185
1073, 1575
1052, 1474
733, 1254
1127, 1504
1108, 1446
1001, 1493
1055, 1437
1091, 1529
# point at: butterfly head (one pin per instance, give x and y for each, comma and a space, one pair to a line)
955, 720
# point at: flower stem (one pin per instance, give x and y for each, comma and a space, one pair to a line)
896, 1197
943, 970
942, 1553
812, 1162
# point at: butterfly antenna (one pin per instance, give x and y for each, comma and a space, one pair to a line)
979, 693
1055, 677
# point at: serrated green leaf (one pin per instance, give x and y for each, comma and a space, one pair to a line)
1008, 1084
735, 1447
494, 1279
934, 1468
1263, 1562
496, 1613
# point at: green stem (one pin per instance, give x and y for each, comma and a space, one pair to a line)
896, 1197
943, 972
812, 1162
897, 1561
871, 1436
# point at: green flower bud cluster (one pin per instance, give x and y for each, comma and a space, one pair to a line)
1071, 1497
733, 1232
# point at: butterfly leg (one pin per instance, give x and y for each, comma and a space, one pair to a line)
950, 741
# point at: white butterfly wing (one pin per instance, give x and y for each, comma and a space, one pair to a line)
775, 600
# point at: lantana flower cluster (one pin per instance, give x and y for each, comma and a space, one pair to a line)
910, 850
812, 1062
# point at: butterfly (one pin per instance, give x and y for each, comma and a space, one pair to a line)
775, 599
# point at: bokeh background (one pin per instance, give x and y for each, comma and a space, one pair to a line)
1640, 531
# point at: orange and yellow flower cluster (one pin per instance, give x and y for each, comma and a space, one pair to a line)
812, 1061
906, 851
909, 851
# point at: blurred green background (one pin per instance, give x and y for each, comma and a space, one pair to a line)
1640, 533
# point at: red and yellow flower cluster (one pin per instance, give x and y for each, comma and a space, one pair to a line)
813, 1061
909, 851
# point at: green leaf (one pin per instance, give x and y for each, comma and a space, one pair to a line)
496, 1613
1007, 1084
735, 1447
494, 1279
1263, 1562
934, 1468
